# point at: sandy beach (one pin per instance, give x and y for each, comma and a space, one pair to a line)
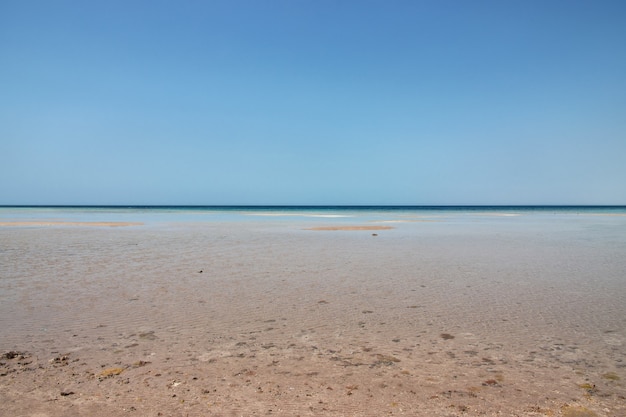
475, 318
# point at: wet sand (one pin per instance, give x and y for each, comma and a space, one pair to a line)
267, 318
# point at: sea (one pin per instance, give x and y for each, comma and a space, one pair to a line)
323, 213
313, 310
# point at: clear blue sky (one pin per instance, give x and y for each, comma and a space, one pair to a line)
313, 102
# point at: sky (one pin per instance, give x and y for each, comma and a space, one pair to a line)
300, 102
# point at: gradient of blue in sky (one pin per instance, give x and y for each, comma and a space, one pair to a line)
313, 102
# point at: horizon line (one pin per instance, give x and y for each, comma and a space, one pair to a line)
307, 205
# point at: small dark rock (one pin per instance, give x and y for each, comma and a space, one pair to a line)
12, 355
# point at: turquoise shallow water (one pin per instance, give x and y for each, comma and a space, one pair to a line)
334, 214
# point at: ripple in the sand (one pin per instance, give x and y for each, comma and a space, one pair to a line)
577, 411
385, 360
612, 376
111, 372
147, 335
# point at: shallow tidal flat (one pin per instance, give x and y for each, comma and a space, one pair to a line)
485, 316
